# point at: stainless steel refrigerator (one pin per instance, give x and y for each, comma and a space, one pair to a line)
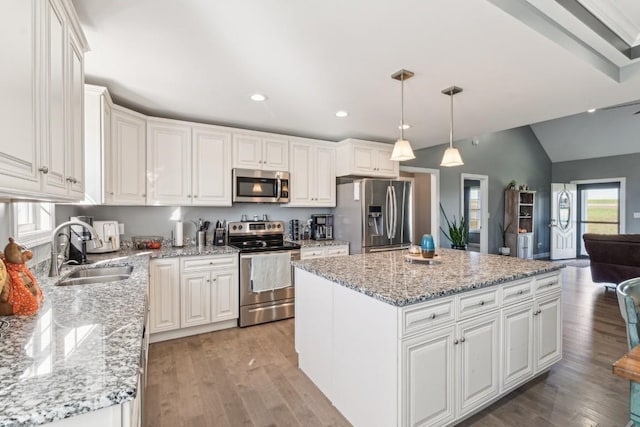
374, 214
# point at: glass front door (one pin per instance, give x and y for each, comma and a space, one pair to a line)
598, 210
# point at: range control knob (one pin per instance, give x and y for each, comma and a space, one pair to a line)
234, 227
279, 225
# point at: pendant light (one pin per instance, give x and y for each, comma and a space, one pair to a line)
451, 155
402, 148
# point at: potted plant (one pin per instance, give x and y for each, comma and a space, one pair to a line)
458, 231
504, 250
512, 185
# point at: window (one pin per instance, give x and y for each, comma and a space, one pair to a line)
475, 217
33, 222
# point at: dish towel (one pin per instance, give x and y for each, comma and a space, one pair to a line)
270, 271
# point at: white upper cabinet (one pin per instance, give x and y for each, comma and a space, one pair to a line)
188, 165
97, 136
260, 152
40, 110
168, 163
211, 166
313, 174
76, 172
125, 154
364, 158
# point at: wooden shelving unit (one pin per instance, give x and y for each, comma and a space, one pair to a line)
519, 218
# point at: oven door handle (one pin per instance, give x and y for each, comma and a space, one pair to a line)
272, 307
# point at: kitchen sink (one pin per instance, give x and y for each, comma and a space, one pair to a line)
97, 275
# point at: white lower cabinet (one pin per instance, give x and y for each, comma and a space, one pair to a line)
195, 299
548, 331
324, 251
204, 295
435, 363
517, 356
428, 373
164, 294
450, 372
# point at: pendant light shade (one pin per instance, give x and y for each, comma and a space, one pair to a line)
402, 148
451, 155
402, 151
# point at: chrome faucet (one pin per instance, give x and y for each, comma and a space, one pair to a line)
54, 270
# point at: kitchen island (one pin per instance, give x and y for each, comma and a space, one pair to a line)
392, 342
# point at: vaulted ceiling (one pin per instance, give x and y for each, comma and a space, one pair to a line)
518, 61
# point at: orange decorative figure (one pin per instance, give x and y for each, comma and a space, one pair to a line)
19, 290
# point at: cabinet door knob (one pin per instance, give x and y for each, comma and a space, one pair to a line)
455, 341
44, 169
111, 193
214, 279
195, 196
69, 179
462, 339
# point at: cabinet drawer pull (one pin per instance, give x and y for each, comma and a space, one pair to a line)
433, 315
520, 292
481, 302
551, 284
44, 169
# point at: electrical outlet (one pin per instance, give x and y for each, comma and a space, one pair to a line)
636, 215
539, 244
120, 228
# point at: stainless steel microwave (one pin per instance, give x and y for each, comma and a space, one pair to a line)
259, 186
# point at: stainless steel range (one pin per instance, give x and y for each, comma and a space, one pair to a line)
266, 276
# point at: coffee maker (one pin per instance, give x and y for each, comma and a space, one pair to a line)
322, 227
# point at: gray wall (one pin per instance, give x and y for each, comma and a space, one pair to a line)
155, 220
502, 156
627, 166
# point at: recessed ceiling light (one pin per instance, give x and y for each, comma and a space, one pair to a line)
341, 113
258, 97
404, 126
591, 110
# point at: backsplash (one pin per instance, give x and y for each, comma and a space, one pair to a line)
158, 220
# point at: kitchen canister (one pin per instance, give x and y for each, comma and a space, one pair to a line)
427, 246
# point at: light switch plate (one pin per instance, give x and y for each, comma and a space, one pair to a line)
120, 228
636, 215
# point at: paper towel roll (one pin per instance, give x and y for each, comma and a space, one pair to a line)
178, 240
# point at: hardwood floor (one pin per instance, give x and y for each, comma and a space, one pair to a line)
249, 377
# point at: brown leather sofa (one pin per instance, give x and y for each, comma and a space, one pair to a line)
614, 258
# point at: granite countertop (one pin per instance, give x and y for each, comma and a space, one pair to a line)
171, 252
309, 243
81, 351
388, 277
